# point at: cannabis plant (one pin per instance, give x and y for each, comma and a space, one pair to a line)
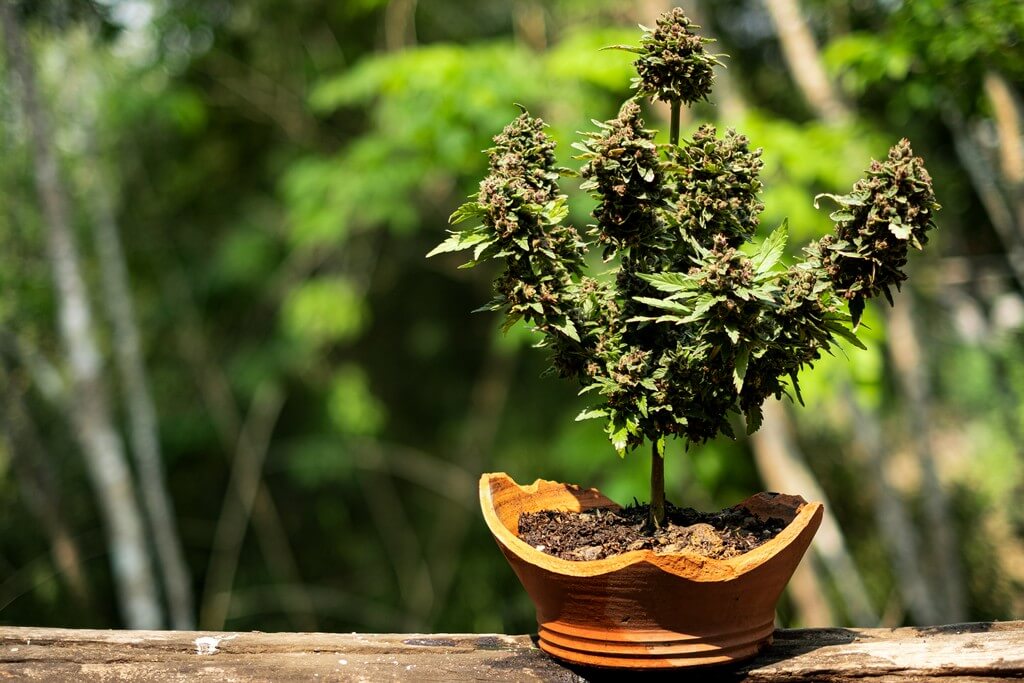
686, 328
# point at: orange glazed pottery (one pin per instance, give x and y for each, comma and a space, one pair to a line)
641, 609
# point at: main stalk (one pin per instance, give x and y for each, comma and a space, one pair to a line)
656, 518
673, 131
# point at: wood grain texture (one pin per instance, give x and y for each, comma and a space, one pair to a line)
961, 652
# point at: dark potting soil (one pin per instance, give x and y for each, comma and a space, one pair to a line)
597, 534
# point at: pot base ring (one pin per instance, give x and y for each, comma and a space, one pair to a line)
635, 650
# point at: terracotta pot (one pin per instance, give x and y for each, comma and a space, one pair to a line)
642, 609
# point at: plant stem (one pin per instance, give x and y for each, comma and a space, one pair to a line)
673, 131
656, 520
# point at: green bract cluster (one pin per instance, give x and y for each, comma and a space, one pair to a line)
521, 213
718, 183
624, 173
688, 328
887, 212
672, 65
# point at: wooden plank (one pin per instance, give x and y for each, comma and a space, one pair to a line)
981, 651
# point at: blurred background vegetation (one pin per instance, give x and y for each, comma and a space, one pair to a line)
213, 219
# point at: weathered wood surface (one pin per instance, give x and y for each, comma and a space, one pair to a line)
981, 651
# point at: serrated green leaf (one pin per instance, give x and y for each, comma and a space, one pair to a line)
669, 282
510, 320
754, 417
625, 48
568, 329
845, 333
656, 318
740, 371
480, 248
467, 211
856, 310
458, 241
620, 439
665, 304
900, 231
488, 308
841, 199
772, 249
702, 305
591, 414
796, 387
556, 211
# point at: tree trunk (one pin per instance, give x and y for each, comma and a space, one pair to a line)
37, 483
138, 400
782, 467
1007, 113
910, 363
893, 519
225, 416
236, 511
488, 400
529, 24
804, 61
101, 445
729, 103
400, 25
986, 186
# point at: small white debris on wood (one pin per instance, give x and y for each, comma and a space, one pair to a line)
343, 662
207, 645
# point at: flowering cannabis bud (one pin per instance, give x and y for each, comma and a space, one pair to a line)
521, 212
718, 185
624, 172
673, 65
890, 210
524, 156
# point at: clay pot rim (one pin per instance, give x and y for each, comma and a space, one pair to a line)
684, 564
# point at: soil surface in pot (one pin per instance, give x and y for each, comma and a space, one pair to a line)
597, 534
